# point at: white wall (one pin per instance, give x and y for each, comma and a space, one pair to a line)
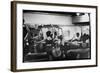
5, 38
37, 18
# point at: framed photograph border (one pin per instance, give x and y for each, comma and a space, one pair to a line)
14, 35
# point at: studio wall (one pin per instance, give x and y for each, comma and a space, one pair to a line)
36, 18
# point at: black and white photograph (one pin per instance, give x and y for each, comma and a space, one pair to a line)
56, 36
48, 36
